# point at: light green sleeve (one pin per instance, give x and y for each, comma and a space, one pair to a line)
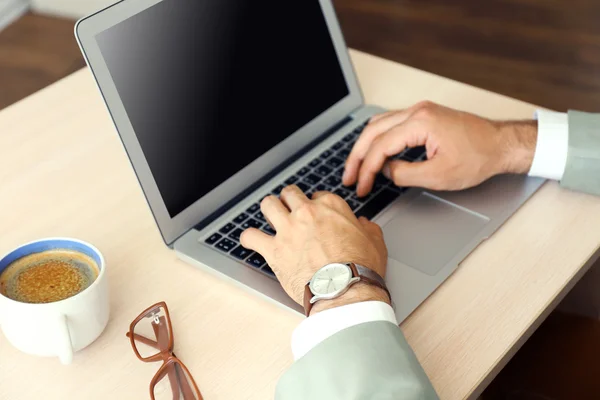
582, 172
366, 361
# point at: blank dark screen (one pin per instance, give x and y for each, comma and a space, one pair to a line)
211, 85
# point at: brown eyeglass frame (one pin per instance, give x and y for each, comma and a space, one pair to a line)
169, 358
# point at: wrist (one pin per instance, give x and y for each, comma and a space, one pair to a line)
518, 140
357, 293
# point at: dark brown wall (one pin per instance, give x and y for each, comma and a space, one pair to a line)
545, 52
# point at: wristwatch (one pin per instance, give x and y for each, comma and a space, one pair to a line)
335, 279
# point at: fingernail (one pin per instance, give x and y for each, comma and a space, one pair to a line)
386, 171
359, 190
345, 175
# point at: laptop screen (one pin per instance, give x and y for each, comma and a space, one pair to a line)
211, 85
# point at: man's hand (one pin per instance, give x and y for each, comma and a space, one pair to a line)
312, 234
463, 149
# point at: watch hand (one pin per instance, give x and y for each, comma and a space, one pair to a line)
330, 284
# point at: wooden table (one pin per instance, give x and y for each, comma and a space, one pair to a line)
63, 172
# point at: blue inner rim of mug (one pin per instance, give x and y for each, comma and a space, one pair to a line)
45, 245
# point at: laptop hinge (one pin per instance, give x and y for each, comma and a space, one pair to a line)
206, 221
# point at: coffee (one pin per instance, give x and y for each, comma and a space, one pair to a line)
48, 276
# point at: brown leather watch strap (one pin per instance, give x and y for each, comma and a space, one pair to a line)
369, 276
307, 296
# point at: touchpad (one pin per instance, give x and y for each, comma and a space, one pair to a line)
428, 233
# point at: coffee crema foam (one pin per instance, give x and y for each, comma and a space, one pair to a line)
48, 276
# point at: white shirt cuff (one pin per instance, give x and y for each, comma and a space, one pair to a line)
325, 324
550, 159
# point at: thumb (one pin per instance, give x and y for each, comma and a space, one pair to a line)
412, 174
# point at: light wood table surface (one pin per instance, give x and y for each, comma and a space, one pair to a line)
63, 172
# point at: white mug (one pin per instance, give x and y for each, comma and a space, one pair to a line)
63, 327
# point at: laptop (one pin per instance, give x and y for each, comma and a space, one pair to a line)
219, 103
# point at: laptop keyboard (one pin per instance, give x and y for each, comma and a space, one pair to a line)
324, 173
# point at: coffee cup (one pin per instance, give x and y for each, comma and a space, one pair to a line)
53, 297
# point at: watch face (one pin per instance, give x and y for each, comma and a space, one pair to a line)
331, 279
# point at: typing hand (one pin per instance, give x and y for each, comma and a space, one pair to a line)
463, 149
312, 234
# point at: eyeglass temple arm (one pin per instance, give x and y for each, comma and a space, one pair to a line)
176, 375
162, 334
162, 340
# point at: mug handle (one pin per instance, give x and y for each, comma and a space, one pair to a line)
64, 349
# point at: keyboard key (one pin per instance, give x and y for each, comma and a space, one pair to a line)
227, 228
240, 218
253, 208
335, 162
338, 145
268, 270
260, 216
267, 228
235, 235
323, 170
332, 181
303, 171
241, 252
343, 154
340, 172
213, 239
377, 187
398, 189
414, 153
361, 199
349, 137
326, 154
304, 187
226, 245
291, 180
381, 179
375, 205
354, 205
351, 188
343, 193
359, 129
277, 190
252, 223
323, 188
314, 162
312, 179
256, 260
310, 194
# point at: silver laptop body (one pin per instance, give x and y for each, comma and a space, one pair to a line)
427, 233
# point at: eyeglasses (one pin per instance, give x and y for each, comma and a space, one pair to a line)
151, 336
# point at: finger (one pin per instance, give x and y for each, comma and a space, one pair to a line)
377, 117
320, 194
256, 240
293, 197
364, 221
389, 144
274, 211
423, 174
370, 227
376, 128
334, 201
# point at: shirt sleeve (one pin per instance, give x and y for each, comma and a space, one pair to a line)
550, 158
325, 324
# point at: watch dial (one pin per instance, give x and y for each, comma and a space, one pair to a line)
331, 279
